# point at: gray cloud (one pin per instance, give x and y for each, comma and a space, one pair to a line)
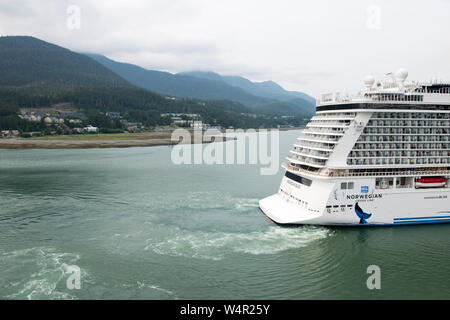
309, 46
17, 9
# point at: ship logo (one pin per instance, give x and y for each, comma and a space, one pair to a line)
361, 214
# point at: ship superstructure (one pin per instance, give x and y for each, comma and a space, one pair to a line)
383, 154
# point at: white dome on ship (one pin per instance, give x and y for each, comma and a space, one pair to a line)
401, 75
369, 81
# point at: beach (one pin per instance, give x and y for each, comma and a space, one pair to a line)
123, 140
119, 140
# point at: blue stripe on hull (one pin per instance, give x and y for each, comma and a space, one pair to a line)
406, 221
423, 221
418, 218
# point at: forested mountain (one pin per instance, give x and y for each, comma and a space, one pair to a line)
134, 103
27, 61
37, 74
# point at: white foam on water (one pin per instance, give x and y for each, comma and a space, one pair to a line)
198, 201
280, 239
142, 285
216, 245
245, 204
44, 270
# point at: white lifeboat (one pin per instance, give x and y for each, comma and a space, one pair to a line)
430, 182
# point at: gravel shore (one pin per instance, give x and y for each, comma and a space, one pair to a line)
95, 142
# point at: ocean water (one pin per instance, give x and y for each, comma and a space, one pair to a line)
140, 227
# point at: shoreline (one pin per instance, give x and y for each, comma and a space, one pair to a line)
150, 139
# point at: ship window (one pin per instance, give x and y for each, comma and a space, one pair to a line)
347, 185
296, 178
384, 183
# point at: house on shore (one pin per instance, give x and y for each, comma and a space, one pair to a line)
90, 129
9, 133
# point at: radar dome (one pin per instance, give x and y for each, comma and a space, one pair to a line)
401, 75
369, 81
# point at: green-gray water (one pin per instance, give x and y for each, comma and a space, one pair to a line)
140, 227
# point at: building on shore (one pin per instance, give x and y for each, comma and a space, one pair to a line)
9, 133
113, 114
90, 129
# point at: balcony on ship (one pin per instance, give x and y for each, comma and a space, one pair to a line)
319, 139
309, 153
315, 146
310, 161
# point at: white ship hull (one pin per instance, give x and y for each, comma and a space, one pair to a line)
328, 205
382, 158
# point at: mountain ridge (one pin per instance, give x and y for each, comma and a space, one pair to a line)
212, 86
268, 89
171, 84
28, 61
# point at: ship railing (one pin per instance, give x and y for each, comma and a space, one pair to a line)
317, 124
369, 97
397, 173
341, 173
318, 138
309, 159
320, 131
332, 116
288, 166
321, 155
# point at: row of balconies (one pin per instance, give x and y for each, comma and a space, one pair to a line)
328, 132
312, 153
319, 163
335, 116
413, 123
392, 97
316, 146
319, 138
400, 146
377, 154
406, 115
327, 124
378, 130
398, 161
404, 138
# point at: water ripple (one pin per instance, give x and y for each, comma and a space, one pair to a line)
215, 245
37, 273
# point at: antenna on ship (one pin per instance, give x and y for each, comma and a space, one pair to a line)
389, 81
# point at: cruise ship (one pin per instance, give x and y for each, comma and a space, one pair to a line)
381, 157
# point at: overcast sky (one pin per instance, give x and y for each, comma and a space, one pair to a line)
310, 46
